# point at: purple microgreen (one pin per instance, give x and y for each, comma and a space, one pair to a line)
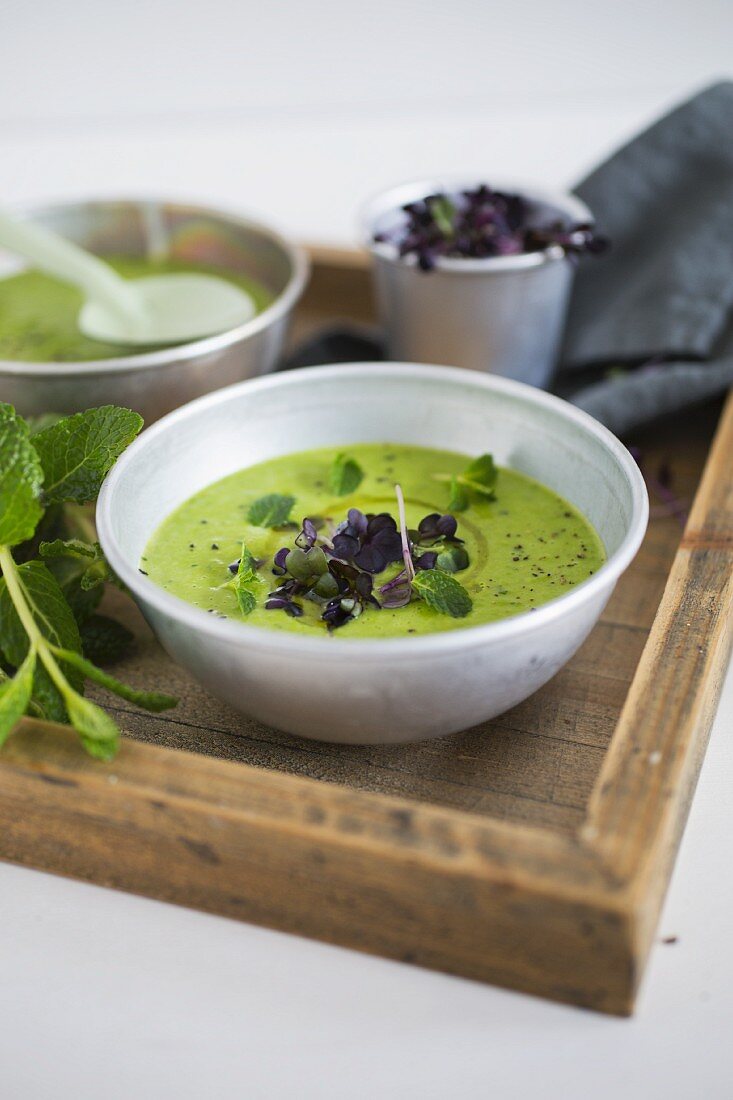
346, 475
397, 592
283, 602
406, 551
308, 534
339, 576
481, 223
370, 542
306, 565
452, 559
326, 587
358, 521
435, 527
272, 510
279, 560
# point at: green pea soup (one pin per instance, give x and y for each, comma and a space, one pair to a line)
526, 547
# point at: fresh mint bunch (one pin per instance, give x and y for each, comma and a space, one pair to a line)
50, 587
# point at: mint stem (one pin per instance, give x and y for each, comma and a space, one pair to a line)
36, 639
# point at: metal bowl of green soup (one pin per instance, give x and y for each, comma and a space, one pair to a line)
373, 553
47, 365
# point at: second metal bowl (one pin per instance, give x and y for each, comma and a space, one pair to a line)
156, 382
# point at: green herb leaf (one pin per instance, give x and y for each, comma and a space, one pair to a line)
155, 701
82, 601
105, 641
70, 548
443, 212
96, 571
442, 592
247, 581
21, 478
98, 731
272, 510
77, 452
480, 475
458, 501
346, 475
15, 696
55, 621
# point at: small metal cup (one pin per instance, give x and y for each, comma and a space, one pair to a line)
504, 315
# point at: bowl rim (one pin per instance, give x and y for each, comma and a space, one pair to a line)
392, 198
281, 305
242, 634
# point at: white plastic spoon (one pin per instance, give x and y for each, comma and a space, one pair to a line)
157, 309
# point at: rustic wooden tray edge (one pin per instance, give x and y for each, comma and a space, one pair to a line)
566, 917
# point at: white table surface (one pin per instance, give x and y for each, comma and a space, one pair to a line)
104, 995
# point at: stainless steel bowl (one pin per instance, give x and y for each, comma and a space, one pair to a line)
373, 690
504, 314
156, 382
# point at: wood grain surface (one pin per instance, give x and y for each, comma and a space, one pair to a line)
532, 851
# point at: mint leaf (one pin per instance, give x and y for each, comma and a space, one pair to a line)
104, 640
151, 700
346, 475
77, 452
15, 696
442, 592
70, 548
247, 581
56, 622
98, 732
458, 501
272, 510
480, 475
21, 478
96, 571
82, 601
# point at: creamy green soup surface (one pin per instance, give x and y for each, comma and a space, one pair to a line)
524, 548
38, 314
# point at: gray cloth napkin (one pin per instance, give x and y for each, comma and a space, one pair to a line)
650, 327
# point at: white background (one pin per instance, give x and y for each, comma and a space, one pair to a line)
299, 111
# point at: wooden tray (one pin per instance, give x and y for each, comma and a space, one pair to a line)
533, 851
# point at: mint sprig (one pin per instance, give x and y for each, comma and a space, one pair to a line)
272, 510
43, 603
479, 479
246, 581
442, 592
